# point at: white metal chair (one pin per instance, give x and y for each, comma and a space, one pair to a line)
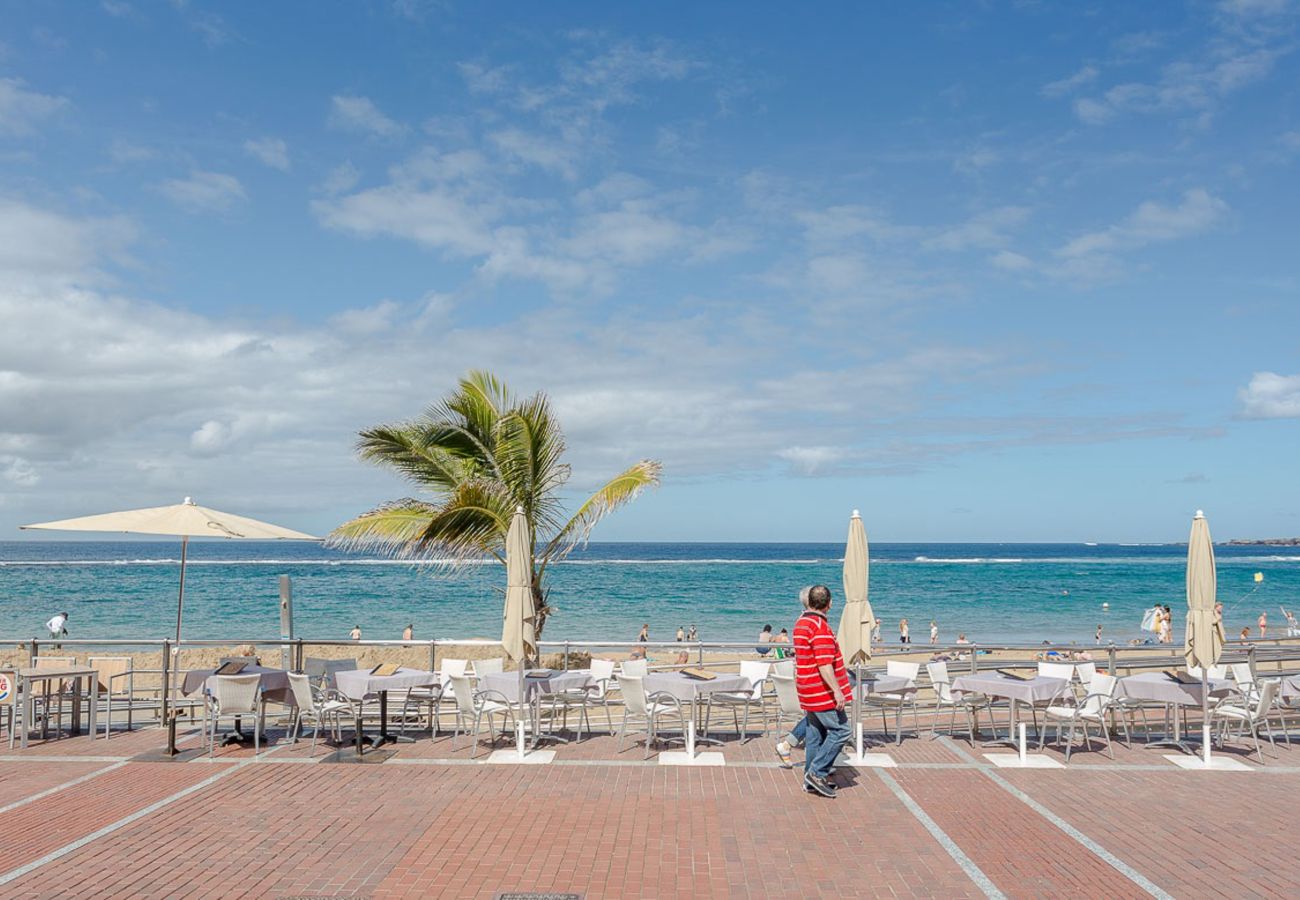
473, 706
582, 699
316, 707
1214, 673
650, 710
116, 680
787, 699
491, 666
896, 701
635, 667
233, 697
1247, 711
756, 673
1088, 712
944, 698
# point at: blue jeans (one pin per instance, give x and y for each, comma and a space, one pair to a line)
827, 733
797, 734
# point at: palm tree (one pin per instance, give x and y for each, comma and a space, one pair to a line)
480, 453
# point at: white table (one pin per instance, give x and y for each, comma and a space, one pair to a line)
538, 683
1039, 689
1157, 687
868, 683
691, 690
359, 685
29, 677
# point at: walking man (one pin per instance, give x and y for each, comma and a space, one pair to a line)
823, 686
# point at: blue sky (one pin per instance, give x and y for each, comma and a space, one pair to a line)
998, 271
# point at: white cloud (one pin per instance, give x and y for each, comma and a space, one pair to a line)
810, 459
1011, 262
1151, 222
984, 230
1070, 84
270, 151
118, 9
18, 471
122, 152
1254, 7
39, 248
355, 113
1271, 396
23, 110
341, 179
204, 191
536, 150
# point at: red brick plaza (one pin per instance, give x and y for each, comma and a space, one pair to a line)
81, 817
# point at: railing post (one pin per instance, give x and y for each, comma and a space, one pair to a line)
301, 662
974, 660
431, 668
433, 654
1110, 654
700, 646
34, 653
166, 681
566, 656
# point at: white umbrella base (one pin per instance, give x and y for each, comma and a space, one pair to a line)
867, 761
682, 758
1217, 763
1014, 761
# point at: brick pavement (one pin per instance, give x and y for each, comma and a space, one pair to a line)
607, 824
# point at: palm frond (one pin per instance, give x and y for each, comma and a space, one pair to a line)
618, 491
407, 449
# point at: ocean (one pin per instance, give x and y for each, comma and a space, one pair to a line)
989, 592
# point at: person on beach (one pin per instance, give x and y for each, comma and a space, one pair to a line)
57, 626
822, 683
934, 632
681, 634
683, 658
355, 633
1263, 625
692, 635
645, 633
875, 632
1245, 634
1097, 637
903, 632
764, 637
1292, 627
961, 638
408, 633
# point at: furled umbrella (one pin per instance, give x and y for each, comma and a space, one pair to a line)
519, 629
183, 520
857, 619
1205, 636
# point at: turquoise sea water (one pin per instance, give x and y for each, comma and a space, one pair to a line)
992, 592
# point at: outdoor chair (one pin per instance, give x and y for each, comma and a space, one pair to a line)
787, 700
234, 697
756, 672
322, 672
315, 707
1214, 673
1247, 711
116, 681
944, 698
48, 703
1085, 671
896, 702
492, 666
1082, 714
648, 710
474, 707
1244, 677
582, 699
635, 667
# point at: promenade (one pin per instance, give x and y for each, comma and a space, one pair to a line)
81, 817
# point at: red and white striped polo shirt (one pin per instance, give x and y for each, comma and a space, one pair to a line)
815, 645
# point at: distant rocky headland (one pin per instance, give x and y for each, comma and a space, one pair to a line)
1265, 542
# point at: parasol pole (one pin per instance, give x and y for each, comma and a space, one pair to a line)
180, 597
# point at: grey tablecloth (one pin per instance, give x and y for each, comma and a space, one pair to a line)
685, 688
1157, 687
1291, 686
507, 683
274, 682
993, 684
360, 684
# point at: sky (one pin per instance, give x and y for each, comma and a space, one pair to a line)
998, 271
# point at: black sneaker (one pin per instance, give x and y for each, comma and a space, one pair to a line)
819, 785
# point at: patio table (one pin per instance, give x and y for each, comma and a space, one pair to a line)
359, 684
538, 683
1157, 687
1039, 689
75, 674
1290, 686
691, 690
274, 684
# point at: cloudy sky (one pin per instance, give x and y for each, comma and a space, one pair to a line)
997, 271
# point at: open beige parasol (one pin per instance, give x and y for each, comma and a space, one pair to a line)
183, 520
